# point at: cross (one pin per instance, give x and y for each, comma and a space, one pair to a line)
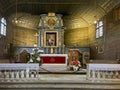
36, 35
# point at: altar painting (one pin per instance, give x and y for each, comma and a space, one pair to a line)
50, 39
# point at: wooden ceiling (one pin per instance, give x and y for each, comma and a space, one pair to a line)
81, 12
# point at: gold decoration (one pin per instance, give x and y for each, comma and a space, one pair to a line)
51, 21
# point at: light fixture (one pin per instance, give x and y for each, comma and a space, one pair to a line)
95, 20
16, 19
95, 17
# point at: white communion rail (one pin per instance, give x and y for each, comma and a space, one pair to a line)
103, 71
18, 70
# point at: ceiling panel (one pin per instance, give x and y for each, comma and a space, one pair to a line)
82, 12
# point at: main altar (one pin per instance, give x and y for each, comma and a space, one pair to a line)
51, 39
50, 42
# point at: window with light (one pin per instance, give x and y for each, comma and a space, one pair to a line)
3, 27
99, 29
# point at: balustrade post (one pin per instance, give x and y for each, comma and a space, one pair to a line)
98, 74
103, 74
93, 74
27, 72
116, 74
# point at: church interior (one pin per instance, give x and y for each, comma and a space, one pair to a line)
60, 44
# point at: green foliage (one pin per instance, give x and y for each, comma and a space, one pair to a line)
35, 56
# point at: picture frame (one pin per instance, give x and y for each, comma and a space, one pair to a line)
100, 49
51, 39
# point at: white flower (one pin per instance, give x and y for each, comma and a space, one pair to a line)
31, 60
38, 59
31, 53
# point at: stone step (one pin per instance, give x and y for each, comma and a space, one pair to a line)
55, 85
51, 67
58, 82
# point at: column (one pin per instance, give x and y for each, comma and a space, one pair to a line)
43, 16
39, 39
59, 16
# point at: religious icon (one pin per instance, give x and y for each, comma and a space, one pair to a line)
51, 40
101, 48
51, 22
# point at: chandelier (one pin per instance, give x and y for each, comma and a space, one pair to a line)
16, 19
95, 18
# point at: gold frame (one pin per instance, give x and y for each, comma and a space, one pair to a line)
54, 35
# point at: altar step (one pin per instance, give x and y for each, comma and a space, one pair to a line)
53, 67
59, 85
59, 69
58, 82
80, 72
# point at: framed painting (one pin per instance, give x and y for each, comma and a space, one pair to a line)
100, 48
51, 39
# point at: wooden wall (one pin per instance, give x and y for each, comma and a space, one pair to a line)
110, 40
77, 37
24, 37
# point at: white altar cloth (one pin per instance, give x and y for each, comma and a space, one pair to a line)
105, 67
18, 66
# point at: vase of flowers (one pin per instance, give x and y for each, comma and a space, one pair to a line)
35, 56
76, 65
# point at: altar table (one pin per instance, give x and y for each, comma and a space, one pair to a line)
54, 61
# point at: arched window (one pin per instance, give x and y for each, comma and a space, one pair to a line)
3, 27
99, 29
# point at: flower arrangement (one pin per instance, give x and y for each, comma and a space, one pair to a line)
35, 56
76, 65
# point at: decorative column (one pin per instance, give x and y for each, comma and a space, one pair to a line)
60, 22
39, 39
62, 43
43, 22
42, 26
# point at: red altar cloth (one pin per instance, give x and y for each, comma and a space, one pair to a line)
53, 59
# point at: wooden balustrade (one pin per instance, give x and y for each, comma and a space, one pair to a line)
103, 71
